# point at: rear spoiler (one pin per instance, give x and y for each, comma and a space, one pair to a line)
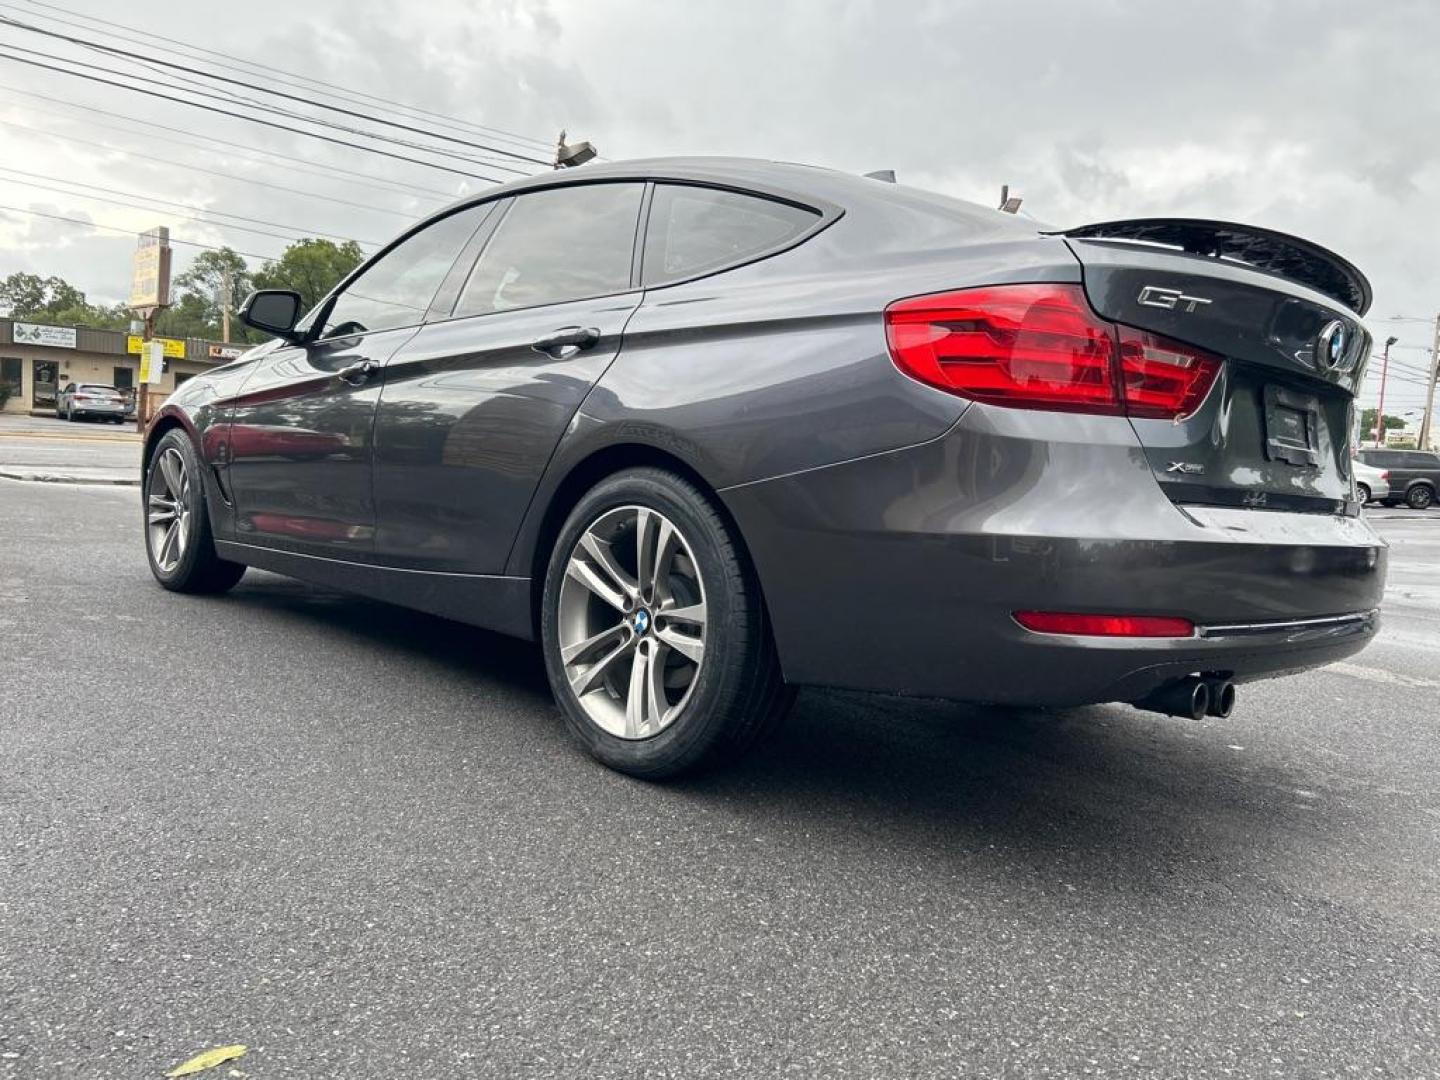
1288, 256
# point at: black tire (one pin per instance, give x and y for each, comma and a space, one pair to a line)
1420, 497
738, 694
198, 569
1363, 491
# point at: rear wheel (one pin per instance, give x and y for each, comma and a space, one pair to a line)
1363, 491
1420, 497
178, 541
655, 636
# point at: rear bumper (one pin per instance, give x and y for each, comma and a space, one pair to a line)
900, 572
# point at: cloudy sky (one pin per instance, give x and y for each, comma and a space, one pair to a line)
1318, 118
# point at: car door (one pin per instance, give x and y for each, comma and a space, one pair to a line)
475, 403
300, 443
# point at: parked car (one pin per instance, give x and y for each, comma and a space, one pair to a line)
1414, 475
90, 399
709, 429
1371, 484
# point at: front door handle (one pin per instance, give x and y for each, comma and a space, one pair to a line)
358, 373
567, 341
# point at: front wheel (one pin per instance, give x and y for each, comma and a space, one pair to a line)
1420, 497
178, 541
655, 635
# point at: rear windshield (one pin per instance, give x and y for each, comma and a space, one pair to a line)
90, 388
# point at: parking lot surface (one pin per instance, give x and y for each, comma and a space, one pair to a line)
358, 841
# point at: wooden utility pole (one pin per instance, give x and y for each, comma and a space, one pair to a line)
225, 297
1423, 443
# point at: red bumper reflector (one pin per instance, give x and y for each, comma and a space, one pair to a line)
1149, 626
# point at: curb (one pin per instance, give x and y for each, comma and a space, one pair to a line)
63, 478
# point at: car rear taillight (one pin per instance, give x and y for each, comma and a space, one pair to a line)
1043, 347
1385, 475
1146, 626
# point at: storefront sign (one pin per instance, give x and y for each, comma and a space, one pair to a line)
57, 337
174, 347
225, 352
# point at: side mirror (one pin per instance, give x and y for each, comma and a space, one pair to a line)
272, 311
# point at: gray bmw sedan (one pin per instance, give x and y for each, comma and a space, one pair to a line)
709, 429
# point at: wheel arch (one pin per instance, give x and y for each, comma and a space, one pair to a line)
583, 475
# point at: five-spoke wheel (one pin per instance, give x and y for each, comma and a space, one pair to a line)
632, 622
168, 509
177, 529
655, 636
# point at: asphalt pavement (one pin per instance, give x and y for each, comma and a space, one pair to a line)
43, 448
358, 841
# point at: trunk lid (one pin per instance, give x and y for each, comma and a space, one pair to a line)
1275, 430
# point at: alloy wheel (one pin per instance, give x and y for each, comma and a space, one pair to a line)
631, 622
168, 510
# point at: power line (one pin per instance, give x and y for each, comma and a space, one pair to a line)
313, 103
131, 232
230, 99
230, 63
298, 235
169, 163
363, 179
242, 116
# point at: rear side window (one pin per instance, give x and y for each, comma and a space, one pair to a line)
1379, 458
697, 230
396, 289
567, 243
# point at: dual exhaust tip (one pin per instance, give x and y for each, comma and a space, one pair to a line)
1194, 696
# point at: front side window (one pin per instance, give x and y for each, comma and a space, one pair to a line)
566, 243
396, 289
695, 230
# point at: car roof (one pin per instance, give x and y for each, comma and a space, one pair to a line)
804, 183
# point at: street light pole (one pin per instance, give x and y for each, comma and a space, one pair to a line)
1380, 412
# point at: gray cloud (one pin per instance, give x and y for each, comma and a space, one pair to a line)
1311, 116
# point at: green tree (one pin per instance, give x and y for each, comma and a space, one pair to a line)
198, 295
1367, 423
29, 296
310, 267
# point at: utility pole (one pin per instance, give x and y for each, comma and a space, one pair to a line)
1380, 412
1424, 441
226, 296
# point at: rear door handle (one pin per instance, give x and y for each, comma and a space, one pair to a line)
358, 373
567, 341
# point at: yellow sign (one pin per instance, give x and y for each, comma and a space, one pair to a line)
174, 348
152, 362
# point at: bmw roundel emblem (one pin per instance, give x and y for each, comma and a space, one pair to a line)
1330, 346
641, 621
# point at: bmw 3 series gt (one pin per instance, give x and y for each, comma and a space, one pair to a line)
709, 429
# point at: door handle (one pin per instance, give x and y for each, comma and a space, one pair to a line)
567, 341
358, 373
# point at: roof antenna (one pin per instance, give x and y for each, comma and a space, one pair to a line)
1008, 203
887, 175
568, 155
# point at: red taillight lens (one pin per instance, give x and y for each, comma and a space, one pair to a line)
1148, 626
1042, 347
1161, 378
1385, 475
